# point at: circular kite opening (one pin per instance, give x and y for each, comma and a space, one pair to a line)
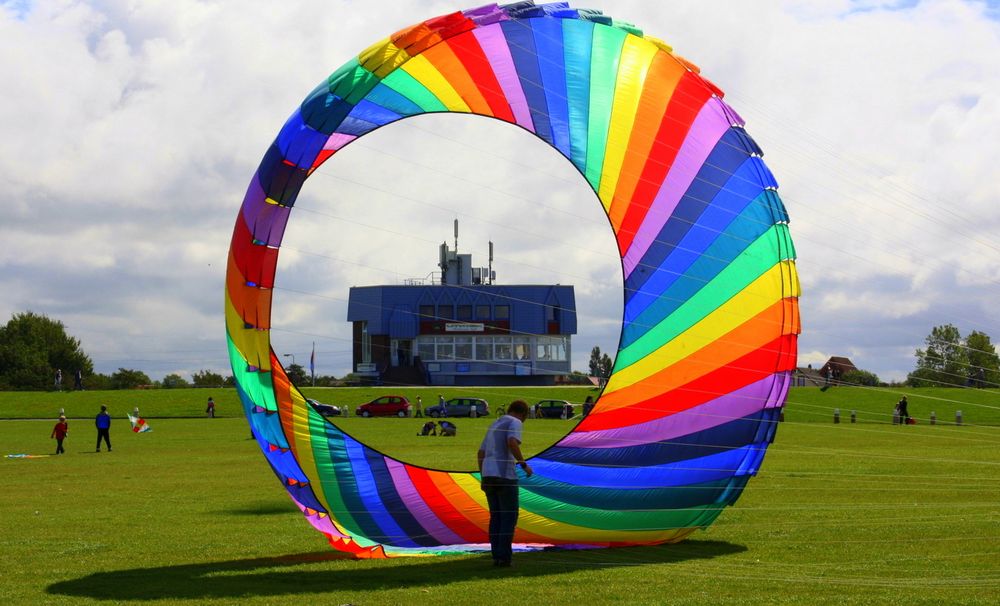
377, 216
710, 319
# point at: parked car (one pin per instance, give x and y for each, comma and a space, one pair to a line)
327, 410
460, 407
386, 406
553, 409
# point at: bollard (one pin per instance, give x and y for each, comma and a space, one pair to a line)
958, 417
854, 416
933, 418
836, 416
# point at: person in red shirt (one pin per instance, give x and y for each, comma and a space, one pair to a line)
59, 432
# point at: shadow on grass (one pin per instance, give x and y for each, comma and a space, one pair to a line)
298, 573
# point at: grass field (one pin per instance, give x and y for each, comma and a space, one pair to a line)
190, 513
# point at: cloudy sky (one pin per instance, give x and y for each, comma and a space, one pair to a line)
131, 130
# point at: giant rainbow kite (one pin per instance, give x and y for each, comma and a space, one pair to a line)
711, 294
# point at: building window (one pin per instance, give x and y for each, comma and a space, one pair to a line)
484, 348
501, 348
446, 312
522, 348
445, 348
464, 312
501, 312
482, 312
427, 311
425, 349
463, 348
550, 349
551, 313
366, 344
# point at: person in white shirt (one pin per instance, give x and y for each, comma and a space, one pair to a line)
499, 455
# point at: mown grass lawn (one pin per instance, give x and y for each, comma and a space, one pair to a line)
190, 513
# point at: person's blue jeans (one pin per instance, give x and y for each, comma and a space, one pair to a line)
502, 497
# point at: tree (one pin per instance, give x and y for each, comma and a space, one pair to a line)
945, 362
600, 365
207, 378
33, 347
860, 377
174, 381
297, 374
127, 378
984, 364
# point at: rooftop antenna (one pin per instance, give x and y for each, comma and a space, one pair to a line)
491, 263
456, 235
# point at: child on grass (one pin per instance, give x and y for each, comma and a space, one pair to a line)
59, 432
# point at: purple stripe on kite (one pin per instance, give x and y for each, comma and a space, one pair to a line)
494, 45
338, 140
266, 221
744, 401
479, 11
320, 523
706, 130
785, 381
418, 507
735, 118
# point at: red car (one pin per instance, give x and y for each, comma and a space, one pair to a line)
386, 406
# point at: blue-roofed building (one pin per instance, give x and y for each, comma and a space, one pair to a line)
462, 329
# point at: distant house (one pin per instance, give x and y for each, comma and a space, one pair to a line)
832, 371
836, 367
807, 377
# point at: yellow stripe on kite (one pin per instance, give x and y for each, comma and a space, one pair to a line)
760, 294
425, 73
252, 343
637, 54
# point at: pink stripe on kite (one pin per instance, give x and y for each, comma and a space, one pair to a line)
494, 45
338, 140
322, 524
415, 503
712, 122
744, 401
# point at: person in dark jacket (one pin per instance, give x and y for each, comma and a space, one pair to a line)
103, 424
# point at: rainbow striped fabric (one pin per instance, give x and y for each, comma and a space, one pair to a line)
711, 316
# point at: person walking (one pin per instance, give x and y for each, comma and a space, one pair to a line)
210, 409
498, 455
420, 409
103, 424
59, 432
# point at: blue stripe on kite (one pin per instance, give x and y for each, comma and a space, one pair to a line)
299, 143
388, 530
609, 499
324, 111
578, 37
522, 49
346, 474
727, 436
393, 502
692, 471
393, 100
373, 113
724, 160
687, 269
549, 42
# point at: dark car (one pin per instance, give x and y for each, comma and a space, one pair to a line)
460, 407
553, 409
327, 410
386, 406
